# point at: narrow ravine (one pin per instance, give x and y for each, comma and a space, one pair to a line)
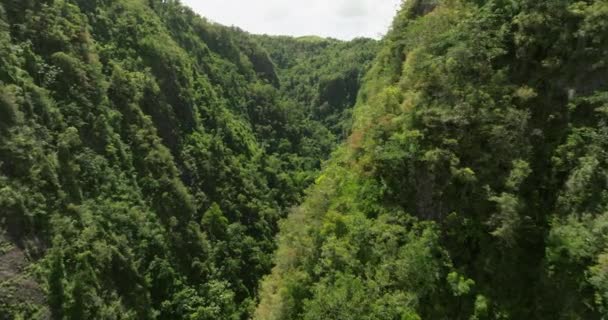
147, 155
156, 165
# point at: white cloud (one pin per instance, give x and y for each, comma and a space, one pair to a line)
342, 19
354, 8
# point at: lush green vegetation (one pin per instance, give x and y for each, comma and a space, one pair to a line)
148, 159
146, 156
473, 184
323, 75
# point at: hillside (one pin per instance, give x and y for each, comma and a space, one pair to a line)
473, 184
146, 156
155, 165
334, 68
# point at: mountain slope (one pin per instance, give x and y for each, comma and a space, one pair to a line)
335, 68
146, 156
473, 184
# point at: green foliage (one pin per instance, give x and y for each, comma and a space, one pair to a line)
8, 108
323, 75
146, 157
149, 156
476, 166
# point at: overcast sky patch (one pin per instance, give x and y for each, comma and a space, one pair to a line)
342, 19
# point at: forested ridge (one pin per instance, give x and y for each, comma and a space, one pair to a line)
147, 154
156, 165
473, 184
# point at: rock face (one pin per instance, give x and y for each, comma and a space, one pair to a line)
423, 7
17, 287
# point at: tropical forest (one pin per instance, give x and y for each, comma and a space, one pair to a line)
155, 164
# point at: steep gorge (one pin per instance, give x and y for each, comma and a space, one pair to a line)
146, 155
155, 165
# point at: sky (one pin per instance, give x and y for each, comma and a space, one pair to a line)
341, 19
